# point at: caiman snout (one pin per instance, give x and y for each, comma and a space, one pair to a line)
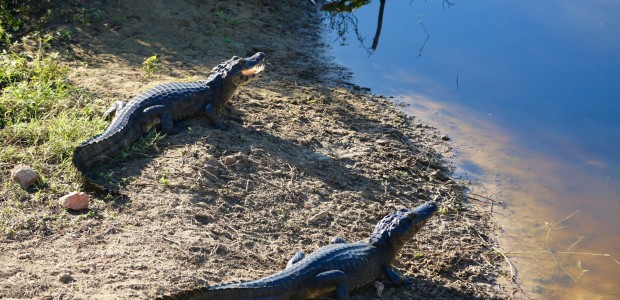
251, 67
426, 210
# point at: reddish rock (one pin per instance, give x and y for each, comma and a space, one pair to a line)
24, 175
75, 200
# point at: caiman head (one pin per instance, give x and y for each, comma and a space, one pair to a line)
226, 77
397, 228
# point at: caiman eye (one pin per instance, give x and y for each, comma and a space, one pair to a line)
241, 62
411, 216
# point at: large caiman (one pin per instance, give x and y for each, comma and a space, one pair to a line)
336, 268
164, 105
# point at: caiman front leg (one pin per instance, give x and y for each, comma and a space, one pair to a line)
213, 117
161, 112
396, 278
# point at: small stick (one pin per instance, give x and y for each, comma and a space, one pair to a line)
513, 270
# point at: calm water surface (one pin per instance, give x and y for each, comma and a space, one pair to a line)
529, 91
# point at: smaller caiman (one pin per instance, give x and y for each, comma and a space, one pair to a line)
336, 268
164, 105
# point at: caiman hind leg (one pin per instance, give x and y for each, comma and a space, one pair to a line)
335, 278
109, 114
295, 259
300, 254
337, 240
160, 114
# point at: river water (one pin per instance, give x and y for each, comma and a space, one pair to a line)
529, 92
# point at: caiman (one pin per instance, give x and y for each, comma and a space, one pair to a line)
336, 268
163, 106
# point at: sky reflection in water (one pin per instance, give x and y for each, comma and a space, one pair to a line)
530, 93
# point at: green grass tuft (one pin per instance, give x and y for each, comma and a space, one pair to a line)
32, 89
42, 118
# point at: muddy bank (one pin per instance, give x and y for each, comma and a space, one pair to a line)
310, 160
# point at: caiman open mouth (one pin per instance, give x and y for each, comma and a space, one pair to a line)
247, 69
254, 70
253, 65
239, 70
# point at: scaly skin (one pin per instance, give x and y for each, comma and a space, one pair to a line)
164, 105
339, 267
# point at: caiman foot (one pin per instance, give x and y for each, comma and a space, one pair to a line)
220, 126
178, 128
395, 278
90, 185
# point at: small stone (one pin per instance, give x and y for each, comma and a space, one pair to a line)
231, 159
322, 215
379, 287
445, 137
211, 163
75, 200
26, 255
24, 175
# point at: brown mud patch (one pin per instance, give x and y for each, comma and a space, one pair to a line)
309, 161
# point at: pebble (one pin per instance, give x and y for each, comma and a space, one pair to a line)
24, 175
75, 201
445, 137
231, 159
379, 287
319, 216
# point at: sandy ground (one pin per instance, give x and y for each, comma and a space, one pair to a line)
310, 160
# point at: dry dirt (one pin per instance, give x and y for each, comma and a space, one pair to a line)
310, 160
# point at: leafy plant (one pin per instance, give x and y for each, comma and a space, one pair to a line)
88, 16
232, 22
19, 17
150, 66
163, 180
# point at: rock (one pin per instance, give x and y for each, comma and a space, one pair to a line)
232, 159
211, 163
24, 175
319, 216
379, 287
75, 200
445, 137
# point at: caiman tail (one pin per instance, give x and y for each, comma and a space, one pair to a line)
230, 293
100, 148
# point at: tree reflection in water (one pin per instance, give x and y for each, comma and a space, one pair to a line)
342, 18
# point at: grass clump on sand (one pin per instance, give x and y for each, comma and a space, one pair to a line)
42, 118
